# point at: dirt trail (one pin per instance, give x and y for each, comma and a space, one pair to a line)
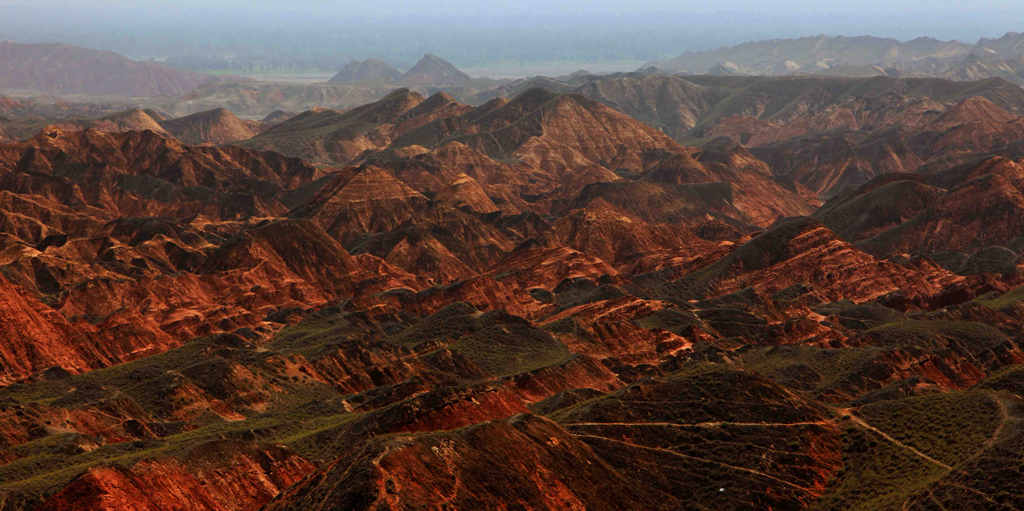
1004, 417
714, 424
701, 460
848, 413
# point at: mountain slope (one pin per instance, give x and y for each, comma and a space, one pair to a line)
434, 71
369, 70
812, 54
213, 127
535, 303
62, 69
327, 135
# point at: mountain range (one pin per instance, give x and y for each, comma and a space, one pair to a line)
627, 291
430, 70
861, 56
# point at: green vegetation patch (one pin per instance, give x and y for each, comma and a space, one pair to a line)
507, 348
876, 475
498, 342
830, 367
948, 427
862, 316
49, 463
936, 335
701, 393
1003, 301
1010, 379
674, 320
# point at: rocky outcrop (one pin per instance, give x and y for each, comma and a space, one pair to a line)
538, 464
328, 135
216, 477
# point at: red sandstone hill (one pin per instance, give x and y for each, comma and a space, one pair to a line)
829, 162
979, 205
131, 120
803, 252
534, 303
327, 135
822, 133
24, 117
123, 227
62, 69
214, 127
573, 142
759, 109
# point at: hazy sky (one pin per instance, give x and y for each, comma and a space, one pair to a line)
479, 32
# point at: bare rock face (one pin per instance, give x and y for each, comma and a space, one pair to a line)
862, 213
327, 135
526, 460
964, 209
601, 229
374, 184
802, 251
605, 437
464, 191
222, 476
669, 103
369, 199
214, 127
36, 336
823, 133
131, 120
535, 303
130, 287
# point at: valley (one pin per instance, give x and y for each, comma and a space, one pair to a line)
429, 290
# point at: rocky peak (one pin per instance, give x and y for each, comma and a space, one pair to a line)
432, 70
370, 70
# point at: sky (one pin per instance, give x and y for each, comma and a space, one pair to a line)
481, 33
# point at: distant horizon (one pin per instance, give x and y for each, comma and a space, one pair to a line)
512, 69
529, 34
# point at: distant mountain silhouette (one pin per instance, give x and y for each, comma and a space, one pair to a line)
861, 56
369, 70
63, 69
433, 70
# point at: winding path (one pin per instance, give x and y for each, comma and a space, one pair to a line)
714, 424
848, 413
700, 460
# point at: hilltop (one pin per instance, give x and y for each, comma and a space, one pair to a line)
218, 126
64, 69
860, 56
434, 71
369, 70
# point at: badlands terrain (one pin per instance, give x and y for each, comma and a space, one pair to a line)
431, 291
